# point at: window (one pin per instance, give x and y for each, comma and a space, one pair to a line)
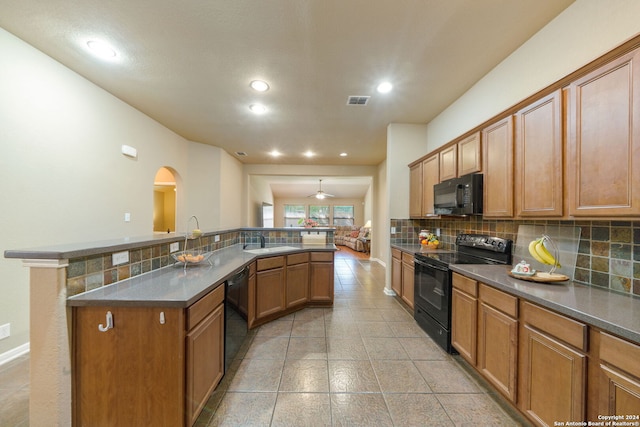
343, 215
293, 214
320, 214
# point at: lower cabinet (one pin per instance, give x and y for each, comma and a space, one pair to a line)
464, 317
619, 391
154, 366
553, 365
402, 275
321, 280
297, 288
270, 286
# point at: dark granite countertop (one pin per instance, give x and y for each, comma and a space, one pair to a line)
610, 311
175, 286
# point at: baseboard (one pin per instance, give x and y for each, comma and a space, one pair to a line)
379, 261
14, 353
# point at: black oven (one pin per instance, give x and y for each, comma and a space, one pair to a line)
432, 280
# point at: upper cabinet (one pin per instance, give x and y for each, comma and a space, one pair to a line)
469, 155
430, 177
497, 166
448, 163
415, 190
604, 144
539, 158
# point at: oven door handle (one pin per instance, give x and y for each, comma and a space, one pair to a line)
438, 291
425, 265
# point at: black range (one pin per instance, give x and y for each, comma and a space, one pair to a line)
432, 284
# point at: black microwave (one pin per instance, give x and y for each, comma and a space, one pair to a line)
459, 196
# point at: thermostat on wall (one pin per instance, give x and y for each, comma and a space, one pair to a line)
129, 151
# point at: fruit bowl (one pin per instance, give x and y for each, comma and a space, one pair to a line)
191, 257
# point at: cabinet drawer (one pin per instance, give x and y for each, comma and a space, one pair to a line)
465, 284
558, 326
205, 305
620, 353
396, 253
506, 303
269, 263
407, 258
298, 258
322, 256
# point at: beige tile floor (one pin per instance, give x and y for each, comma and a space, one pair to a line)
364, 362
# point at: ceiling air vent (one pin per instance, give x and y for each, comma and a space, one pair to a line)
358, 100
241, 154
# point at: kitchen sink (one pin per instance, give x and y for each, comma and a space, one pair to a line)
270, 250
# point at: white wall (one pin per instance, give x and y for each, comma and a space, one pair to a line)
581, 33
65, 180
259, 192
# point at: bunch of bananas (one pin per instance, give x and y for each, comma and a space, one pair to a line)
540, 253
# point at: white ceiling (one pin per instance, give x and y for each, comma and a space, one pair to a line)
288, 187
188, 64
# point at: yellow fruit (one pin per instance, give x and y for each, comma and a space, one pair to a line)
532, 251
545, 254
196, 232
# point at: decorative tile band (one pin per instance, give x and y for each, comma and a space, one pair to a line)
608, 252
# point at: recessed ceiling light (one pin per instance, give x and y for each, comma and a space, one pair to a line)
385, 87
275, 153
101, 49
259, 85
258, 108
343, 154
309, 153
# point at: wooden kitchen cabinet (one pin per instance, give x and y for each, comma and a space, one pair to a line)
539, 162
498, 339
464, 317
117, 377
321, 277
497, 167
619, 391
407, 278
430, 177
396, 271
297, 289
415, 190
470, 155
449, 163
270, 287
552, 367
604, 143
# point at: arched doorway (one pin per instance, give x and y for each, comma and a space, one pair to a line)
164, 201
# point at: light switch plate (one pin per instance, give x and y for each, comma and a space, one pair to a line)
393, 230
216, 238
5, 331
120, 258
174, 246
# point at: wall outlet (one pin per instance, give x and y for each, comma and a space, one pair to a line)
174, 247
216, 238
127, 217
393, 230
120, 258
5, 331
438, 232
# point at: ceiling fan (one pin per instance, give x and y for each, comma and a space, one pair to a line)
321, 194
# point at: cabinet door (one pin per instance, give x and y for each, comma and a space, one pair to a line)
321, 282
396, 275
619, 391
415, 191
464, 326
604, 143
269, 292
205, 361
497, 349
251, 297
407, 280
497, 166
469, 155
116, 379
552, 379
297, 291
449, 163
430, 177
539, 158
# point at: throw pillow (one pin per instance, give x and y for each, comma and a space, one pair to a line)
354, 234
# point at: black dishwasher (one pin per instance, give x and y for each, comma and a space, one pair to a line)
235, 307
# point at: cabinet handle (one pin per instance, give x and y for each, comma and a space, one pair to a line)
109, 322
162, 320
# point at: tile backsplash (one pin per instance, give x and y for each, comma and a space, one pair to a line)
608, 252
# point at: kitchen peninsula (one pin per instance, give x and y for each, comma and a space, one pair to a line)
161, 315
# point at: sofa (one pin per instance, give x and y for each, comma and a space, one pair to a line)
348, 236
